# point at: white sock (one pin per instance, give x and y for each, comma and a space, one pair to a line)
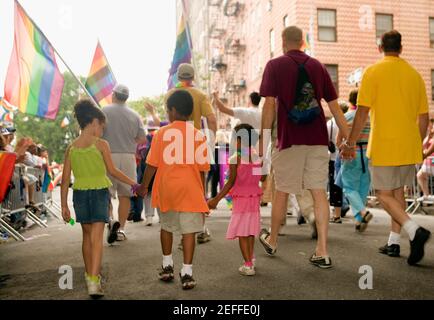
187, 269
167, 261
411, 227
394, 238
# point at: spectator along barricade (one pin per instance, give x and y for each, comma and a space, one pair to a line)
15, 207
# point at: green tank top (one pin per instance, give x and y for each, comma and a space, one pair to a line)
89, 170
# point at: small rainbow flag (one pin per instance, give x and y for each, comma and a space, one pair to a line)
182, 52
6, 112
101, 80
7, 166
33, 83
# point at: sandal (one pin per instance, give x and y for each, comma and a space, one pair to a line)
365, 221
336, 220
263, 238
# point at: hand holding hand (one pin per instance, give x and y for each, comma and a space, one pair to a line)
142, 191
212, 204
348, 153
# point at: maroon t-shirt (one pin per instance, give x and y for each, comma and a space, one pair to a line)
280, 81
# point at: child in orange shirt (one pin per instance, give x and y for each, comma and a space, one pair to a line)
179, 158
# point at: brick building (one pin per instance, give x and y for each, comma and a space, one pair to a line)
236, 38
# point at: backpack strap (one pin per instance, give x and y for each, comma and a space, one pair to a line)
298, 64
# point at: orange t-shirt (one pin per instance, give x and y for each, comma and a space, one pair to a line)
179, 151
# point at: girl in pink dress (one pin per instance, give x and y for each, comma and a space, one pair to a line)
243, 186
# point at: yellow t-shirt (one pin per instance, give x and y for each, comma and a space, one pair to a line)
396, 94
202, 106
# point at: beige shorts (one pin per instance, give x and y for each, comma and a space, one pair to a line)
301, 168
127, 164
392, 178
182, 222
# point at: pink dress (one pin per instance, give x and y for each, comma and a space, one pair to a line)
246, 194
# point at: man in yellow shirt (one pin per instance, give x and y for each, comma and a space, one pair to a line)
202, 105
394, 94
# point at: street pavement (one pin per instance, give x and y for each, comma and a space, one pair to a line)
30, 270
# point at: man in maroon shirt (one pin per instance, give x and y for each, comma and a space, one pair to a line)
302, 159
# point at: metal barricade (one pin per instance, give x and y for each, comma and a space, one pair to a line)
44, 200
16, 200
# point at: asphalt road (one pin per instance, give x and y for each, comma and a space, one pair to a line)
30, 270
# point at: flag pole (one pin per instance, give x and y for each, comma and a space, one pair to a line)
60, 57
187, 30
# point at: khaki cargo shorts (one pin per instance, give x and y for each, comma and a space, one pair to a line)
301, 168
392, 178
127, 164
182, 222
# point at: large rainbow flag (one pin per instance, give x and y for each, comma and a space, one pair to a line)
101, 80
33, 83
182, 52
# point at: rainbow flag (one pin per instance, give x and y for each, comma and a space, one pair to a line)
7, 166
33, 83
101, 80
6, 112
182, 52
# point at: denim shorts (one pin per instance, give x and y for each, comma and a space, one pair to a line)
91, 206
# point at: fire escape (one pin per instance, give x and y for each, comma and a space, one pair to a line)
227, 51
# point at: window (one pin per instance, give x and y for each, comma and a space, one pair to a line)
334, 75
384, 23
286, 21
431, 32
272, 43
432, 84
327, 25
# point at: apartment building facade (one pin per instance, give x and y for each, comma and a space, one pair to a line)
235, 39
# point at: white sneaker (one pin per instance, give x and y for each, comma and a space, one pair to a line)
94, 289
122, 236
149, 221
247, 271
424, 198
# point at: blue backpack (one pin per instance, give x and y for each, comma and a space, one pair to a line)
306, 107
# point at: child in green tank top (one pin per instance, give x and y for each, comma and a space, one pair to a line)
89, 158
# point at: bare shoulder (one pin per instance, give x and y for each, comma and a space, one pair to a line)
102, 145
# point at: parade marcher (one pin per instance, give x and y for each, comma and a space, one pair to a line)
356, 178
201, 108
337, 199
89, 158
251, 115
124, 131
302, 160
178, 189
394, 93
243, 185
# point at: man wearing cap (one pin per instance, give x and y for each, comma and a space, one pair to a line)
9, 136
201, 108
123, 132
201, 104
